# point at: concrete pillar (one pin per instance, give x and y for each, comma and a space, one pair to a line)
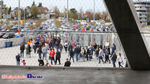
125, 20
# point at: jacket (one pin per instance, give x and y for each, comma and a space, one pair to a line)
52, 53
22, 48
101, 53
58, 55
39, 51
27, 50
70, 47
71, 53
113, 48
76, 50
114, 57
97, 52
44, 50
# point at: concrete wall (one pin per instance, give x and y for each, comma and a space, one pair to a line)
16, 41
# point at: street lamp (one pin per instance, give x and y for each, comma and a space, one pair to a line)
67, 12
24, 16
18, 14
94, 12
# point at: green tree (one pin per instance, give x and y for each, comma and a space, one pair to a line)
106, 16
73, 13
33, 3
57, 12
40, 5
97, 17
9, 10
34, 11
6, 9
17, 14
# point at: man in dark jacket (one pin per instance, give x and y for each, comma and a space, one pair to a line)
114, 57
100, 46
22, 48
113, 49
58, 41
58, 56
71, 55
76, 51
41, 62
95, 46
70, 47
67, 63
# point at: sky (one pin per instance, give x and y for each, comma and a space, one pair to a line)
77, 4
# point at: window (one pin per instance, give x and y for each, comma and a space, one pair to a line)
39, 10
45, 10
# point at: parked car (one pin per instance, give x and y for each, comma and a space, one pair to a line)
2, 34
9, 35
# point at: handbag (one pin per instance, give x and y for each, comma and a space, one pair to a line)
49, 57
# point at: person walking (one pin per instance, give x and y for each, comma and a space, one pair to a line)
39, 51
35, 46
90, 53
60, 47
44, 51
71, 55
66, 46
114, 57
96, 54
52, 54
120, 60
70, 47
22, 48
107, 56
73, 44
113, 49
95, 46
83, 53
58, 56
18, 58
28, 50
76, 50
101, 55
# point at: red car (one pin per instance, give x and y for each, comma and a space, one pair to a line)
2, 34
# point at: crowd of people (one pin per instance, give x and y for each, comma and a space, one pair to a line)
45, 44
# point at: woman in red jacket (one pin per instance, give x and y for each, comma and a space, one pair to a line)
52, 54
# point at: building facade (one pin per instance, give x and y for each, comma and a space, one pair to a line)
142, 9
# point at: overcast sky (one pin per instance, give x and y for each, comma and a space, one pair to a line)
78, 4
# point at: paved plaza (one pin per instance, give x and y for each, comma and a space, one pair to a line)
7, 57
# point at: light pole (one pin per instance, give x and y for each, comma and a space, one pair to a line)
94, 12
1, 8
24, 16
67, 12
18, 14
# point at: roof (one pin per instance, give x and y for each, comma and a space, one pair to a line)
142, 2
92, 15
43, 10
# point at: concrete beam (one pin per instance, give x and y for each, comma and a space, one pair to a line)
124, 18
